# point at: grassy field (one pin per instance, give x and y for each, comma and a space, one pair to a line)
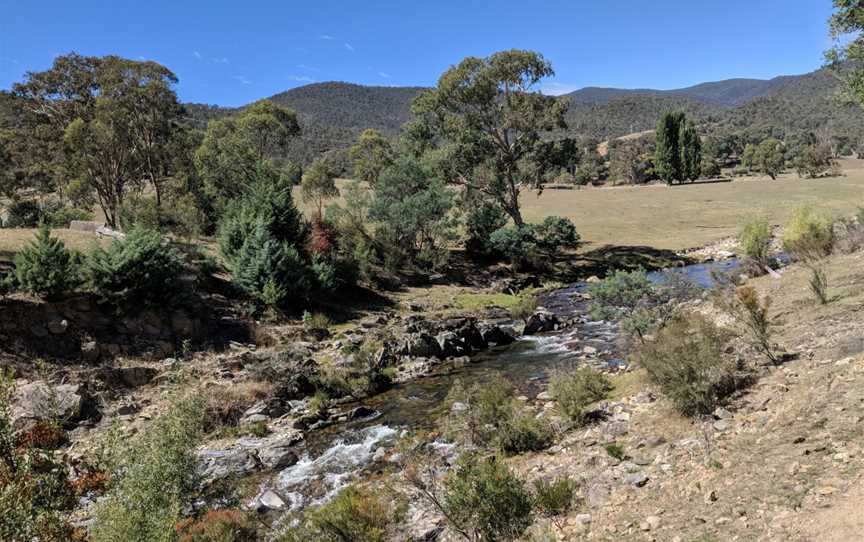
12, 240
688, 216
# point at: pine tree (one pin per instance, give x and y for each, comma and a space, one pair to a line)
46, 267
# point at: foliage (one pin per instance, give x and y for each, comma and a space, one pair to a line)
483, 500
318, 186
678, 150
412, 211
574, 390
556, 233
35, 492
483, 218
623, 296
355, 515
481, 126
153, 478
217, 526
30, 214
809, 234
632, 161
262, 238
615, 451
363, 372
815, 160
753, 312
230, 157
685, 359
755, 240
525, 307
106, 122
370, 155
845, 26
177, 213
767, 157
492, 416
139, 269
554, 498
46, 267
517, 244
818, 282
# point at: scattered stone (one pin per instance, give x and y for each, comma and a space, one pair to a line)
638, 479
541, 321
39, 400
722, 425
58, 326
269, 501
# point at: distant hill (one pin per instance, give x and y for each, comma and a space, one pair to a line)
334, 113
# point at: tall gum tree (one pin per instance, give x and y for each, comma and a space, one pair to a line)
481, 126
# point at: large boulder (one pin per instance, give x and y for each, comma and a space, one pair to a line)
496, 335
542, 320
35, 401
453, 345
419, 345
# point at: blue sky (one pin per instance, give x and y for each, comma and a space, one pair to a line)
230, 52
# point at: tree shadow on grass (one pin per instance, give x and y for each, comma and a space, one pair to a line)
602, 260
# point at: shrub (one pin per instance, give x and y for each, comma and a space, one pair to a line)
8, 284
46, 268
685, 360
615, 451
575, 390
484, 501
754, 314
178, 214
483, 218
818, 282
139, 269
755, 240
153, 478
361, 373
218, 526
623, 296
493, 417
816, 160
30, 214
808, 234
263, 238
517, 244
556, 233
523, 432
525, 307
35, 492
355, 515
554, 498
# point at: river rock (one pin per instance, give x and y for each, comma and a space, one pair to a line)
361, 412
218, 464
496, 335
452, 345
419, 345
39, 400
541, 321
268, 500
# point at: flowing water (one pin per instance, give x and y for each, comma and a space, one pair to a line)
333, 456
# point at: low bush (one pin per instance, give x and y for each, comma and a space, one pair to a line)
31, 214
525, 307
623, 296
218, 526
153, 478
574, 390
556, 233
517, 244
46, 267
491, 416
361, 373
685, 360
753, 313
355, 515
809, 234
138, 270
615, 451
755, 240
482, 219
35, 493
818, 282
483, 500
554, 498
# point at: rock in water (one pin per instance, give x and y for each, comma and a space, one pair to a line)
541, 321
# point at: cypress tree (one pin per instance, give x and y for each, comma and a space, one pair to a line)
667, 157
691, 151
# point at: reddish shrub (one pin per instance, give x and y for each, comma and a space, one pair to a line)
321, 239
94, 481
46, 435
217, 526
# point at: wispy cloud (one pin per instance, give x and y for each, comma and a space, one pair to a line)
241, 79
220, 60
301, 78
349, 46
557, 89
385, 75
326, 37
196, 54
